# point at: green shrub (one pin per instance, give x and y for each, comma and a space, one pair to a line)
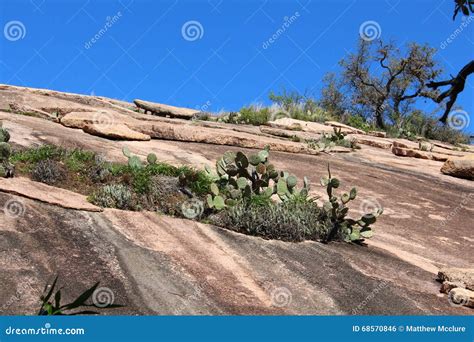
6, 168
48, 171
358, 121
328, 141
4, 135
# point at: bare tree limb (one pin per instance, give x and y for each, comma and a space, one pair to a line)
457, 86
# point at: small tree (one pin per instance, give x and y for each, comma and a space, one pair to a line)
332, 100
384, 83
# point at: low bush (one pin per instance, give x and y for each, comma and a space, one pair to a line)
48, 171
243, 197
294, 220
117, 196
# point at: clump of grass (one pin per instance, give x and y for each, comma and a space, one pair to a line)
294, 220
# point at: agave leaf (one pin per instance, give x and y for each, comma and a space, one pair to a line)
81, 300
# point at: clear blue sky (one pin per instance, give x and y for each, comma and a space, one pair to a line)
143, 52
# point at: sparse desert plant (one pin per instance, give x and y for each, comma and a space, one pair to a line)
48, 171
113, 196
335, 211
293, 220
52, 306
329, 141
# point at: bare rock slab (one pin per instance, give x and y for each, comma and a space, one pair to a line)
165, 110
459, 167
115, 131
44, 193
464, 276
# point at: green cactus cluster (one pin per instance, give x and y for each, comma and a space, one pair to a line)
329, 141
335, 211
6, 168
135, 162
240, 177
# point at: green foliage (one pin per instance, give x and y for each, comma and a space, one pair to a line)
117, 196
335, 211
359, 122
328, 141
6, 168
51, 305
36, 154
4, 135
251, 115
240, 177
77, 159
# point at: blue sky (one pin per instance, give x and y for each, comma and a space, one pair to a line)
224, 60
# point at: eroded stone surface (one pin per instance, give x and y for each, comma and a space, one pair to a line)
44, 193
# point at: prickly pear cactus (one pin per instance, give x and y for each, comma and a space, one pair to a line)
239, 177
336, 211
6, 169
